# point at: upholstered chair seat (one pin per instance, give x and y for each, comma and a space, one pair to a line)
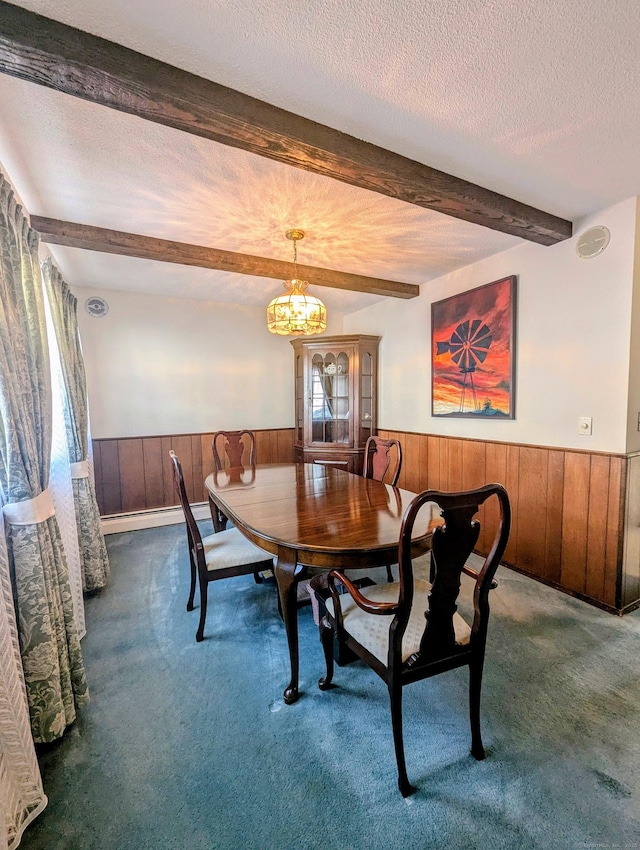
372, 633
227, 549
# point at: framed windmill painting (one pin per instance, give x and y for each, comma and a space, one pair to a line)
473, 352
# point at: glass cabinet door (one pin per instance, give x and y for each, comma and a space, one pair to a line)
330, 402
336, 404
366, 396
299, 390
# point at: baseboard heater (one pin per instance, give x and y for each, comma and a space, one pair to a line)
153, 518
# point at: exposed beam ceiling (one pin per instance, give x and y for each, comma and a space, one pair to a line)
56, 232
43, 51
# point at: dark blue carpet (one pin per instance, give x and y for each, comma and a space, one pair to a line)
189, 745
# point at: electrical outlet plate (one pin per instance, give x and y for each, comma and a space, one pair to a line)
584, 426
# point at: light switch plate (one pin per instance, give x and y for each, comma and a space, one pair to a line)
584, 426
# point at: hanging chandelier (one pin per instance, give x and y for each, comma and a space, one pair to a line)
296, 312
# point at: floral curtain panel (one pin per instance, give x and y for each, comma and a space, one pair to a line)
93, 552
61, 487
21, 793
60, 477
49, 643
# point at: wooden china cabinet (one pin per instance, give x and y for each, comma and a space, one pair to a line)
336, 380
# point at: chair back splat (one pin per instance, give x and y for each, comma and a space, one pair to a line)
382, 460
384, 625
194, 538
229, 449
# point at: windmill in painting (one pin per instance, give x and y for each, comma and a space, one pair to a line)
473, 352
469, 346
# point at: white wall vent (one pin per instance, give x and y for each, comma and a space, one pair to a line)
96, 307
593, 242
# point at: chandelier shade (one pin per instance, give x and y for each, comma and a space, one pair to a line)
296, 313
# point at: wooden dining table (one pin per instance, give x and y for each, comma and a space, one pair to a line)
313, 516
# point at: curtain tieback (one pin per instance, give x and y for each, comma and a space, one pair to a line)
80, 469
30, 511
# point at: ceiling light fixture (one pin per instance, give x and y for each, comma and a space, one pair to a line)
296, 312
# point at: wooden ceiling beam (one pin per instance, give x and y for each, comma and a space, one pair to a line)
66, 59
56, 232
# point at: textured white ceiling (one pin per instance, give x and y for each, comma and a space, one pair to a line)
536, 100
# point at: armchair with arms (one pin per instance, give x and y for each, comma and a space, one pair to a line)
410, 629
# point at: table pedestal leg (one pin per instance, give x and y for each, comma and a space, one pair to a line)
285, 572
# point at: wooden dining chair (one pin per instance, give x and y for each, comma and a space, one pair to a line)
235, 449
383, 462
410, 629
229, 448
225, 554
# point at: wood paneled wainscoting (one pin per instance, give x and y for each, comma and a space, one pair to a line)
576, 515
135, 473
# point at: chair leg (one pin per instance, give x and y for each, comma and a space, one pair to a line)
204, 586
475, 685
389, 574
326, 639
395, 696
192, 589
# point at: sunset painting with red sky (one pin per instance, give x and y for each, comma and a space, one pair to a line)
473, 340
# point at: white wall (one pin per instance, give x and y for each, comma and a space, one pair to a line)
573, 343
633, 430
158, 365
